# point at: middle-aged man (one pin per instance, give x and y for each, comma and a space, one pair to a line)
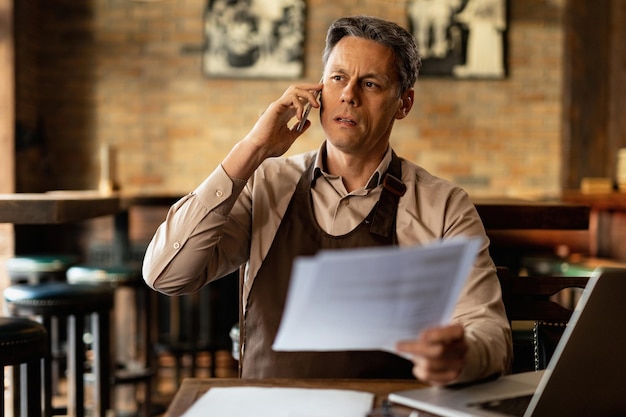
261, 209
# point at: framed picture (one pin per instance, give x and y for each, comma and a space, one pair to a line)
254, 38
460, 38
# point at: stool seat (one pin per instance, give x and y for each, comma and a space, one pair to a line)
57, 298
23, 344
114, 275
35, 269
21, 340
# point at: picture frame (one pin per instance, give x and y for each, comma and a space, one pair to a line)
254, 38
464, 39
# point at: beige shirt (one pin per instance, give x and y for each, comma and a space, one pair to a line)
225, 223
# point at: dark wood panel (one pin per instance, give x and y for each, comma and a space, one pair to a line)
594, 87
617, 82
585, 91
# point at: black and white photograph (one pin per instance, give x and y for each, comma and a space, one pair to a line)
254, 38
460, 38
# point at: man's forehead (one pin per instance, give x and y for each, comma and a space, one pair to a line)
371, 58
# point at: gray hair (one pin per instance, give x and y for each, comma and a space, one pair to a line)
384, 32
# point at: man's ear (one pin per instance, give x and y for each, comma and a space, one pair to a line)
407, 103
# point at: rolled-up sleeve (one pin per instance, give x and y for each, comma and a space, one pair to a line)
189, 248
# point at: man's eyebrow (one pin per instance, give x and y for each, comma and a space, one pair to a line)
336, 70
374, 75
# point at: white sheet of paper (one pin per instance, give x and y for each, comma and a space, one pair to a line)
281, 402
371, 298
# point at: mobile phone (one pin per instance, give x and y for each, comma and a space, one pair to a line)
307, 110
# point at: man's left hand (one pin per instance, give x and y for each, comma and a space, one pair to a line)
438, 354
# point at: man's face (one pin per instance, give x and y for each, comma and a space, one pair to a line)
360, 97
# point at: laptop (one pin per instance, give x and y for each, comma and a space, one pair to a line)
585, 377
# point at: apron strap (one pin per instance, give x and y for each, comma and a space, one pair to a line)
386, 208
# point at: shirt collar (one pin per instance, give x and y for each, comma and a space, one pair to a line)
320, 169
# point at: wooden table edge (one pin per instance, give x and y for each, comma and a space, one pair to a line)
193, 388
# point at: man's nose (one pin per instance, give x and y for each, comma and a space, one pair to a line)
350, 94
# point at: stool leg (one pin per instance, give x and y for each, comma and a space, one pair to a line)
31, 387
16, 385
75, 366
179, 369
102, 363
144, 318
23, 389
194, 299
213, 369
56, 340
47, 374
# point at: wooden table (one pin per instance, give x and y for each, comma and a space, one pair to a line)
193, 388
55, 207
58, 207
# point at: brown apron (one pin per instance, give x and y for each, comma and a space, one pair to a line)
299, 234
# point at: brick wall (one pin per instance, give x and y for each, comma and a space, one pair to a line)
128, 73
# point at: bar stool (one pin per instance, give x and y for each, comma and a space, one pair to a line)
23, 346
74, 303
35, 269
134, 345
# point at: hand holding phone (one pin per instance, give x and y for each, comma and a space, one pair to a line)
307, 110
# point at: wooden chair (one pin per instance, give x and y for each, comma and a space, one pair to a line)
533, 298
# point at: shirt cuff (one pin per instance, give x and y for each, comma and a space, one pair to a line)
219, 192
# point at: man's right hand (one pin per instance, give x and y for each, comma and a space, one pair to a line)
271, 135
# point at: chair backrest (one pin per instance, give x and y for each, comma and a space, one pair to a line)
532, 298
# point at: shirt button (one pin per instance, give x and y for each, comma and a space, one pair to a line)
219, 193
345, 203
176, 245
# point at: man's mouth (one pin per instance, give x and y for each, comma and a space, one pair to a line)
345, 120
